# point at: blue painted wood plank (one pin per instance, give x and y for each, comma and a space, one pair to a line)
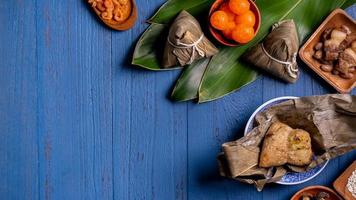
79, 122
209, 126
152, 129
122, 117
74, 59
18, 101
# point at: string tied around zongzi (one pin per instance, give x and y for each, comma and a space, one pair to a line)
194, 46
277, 53
292, 71
186, 42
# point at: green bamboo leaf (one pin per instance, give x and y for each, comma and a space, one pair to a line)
168, 11
226, 73
187, 87
149, 48
227, 58
348, 3
147, 52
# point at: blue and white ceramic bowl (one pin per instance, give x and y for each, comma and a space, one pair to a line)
291, 178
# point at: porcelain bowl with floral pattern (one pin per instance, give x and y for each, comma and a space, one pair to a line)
291, 178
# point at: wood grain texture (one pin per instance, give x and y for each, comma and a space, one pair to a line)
18, 101
79, 122
341, 183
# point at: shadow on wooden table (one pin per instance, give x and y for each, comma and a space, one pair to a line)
209, 177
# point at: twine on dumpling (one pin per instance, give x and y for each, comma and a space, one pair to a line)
194, 47
292, 70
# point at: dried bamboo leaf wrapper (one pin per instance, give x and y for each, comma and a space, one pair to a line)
329, 119
277, 53
186, 42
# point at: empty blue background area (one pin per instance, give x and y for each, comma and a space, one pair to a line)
77, 121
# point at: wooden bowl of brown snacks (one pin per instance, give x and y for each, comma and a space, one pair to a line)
316, 193
117, 14
331, 51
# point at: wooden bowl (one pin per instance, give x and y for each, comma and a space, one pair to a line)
337, 18
341, 182
120, 26
218, 34
313, 190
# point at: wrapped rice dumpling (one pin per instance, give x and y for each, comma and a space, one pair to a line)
186, 42
277, 53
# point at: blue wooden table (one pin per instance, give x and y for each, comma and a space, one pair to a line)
78, 122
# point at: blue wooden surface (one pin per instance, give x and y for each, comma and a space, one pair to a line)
78, 122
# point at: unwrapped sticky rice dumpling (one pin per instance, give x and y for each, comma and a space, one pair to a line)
186, 42
285, 145
277, 53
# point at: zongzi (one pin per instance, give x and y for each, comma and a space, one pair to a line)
186, 42
282, 145
275, 146
278, 52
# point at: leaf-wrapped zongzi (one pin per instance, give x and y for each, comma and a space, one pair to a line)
186, 42
277, 53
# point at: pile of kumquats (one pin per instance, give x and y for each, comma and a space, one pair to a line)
235, 20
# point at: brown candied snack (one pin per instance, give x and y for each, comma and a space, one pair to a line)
322, 196
114, 10
326, 68
353, 45
318, 196
319, 46
346, 76
345, 29
331, 55
335, 72
347, 42
327, 62
336, 52
347, 60
306, 196
318, 54
326, 34
332, 45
